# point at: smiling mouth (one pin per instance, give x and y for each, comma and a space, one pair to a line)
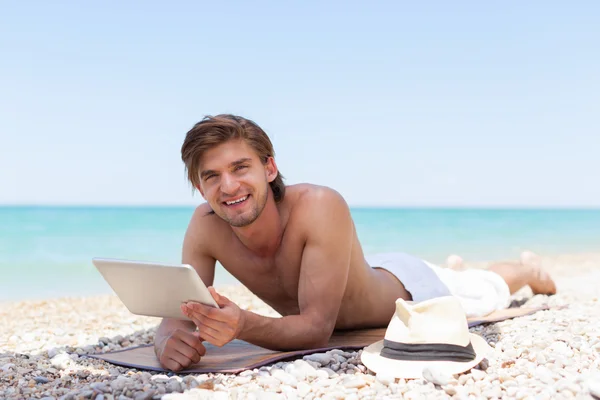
236, 201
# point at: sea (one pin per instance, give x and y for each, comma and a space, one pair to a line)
46, 252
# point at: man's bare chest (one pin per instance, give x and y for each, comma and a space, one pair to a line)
274, 279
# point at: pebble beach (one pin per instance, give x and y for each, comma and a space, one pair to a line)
553, 354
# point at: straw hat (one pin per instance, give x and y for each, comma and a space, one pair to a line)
429, 334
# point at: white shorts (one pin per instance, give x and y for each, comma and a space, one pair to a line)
480, 292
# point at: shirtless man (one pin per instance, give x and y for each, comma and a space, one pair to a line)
295, 247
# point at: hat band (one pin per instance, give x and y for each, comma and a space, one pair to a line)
427, 351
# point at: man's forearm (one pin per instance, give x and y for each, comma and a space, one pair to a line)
287, 333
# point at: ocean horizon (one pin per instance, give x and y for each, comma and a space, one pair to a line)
46, 250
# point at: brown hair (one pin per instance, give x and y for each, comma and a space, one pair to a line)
215, 130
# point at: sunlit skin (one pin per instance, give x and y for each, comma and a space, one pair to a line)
301, 256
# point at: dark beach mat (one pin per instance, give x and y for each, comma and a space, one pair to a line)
238, 355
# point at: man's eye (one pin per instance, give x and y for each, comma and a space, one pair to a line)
208, 177
240, 167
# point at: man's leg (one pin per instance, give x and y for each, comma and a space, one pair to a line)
527, 271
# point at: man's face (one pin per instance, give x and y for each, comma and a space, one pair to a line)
235, 182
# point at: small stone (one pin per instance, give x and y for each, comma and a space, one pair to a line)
322, 359
100, 387
354, 383
41, 379
303, 389
268, 381
324, 373
242, 380
208, 384
8, 366
450, 390
494, 392
484, 364
285, 378
540, 358
174, 386
302, 370
385, 379
160, 378
436, 376
477, 374
61, 361
521, 394
143, 395
119, 384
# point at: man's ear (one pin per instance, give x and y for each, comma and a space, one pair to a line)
271, 169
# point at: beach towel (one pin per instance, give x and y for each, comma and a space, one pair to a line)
238, 356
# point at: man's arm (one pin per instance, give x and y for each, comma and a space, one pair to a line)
323, 277
194, 255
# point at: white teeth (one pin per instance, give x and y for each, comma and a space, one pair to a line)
236, 201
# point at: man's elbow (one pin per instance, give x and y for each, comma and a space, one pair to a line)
320, 336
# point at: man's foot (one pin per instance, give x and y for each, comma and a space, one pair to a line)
455, 262
541, 282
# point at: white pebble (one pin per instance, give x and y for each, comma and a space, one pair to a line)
324, 373
61, 361
354, 383
450, 390
242, 380
268, 381
385, 378
284, 377
436, 376
477, 374
303, 389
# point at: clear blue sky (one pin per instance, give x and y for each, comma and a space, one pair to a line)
429, 104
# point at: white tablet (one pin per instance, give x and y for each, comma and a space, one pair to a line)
154, 289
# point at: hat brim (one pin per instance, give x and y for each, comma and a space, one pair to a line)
372, 359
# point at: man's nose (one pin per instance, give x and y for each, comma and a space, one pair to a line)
229, 184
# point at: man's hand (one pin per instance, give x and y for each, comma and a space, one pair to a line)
218, 326
180, 350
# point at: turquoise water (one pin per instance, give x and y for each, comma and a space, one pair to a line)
46, 251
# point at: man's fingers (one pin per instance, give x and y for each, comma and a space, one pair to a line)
198, 344
186, 351
194, 342
169, 359
173, 365
208, 312
202, 319
180, 351
210, 335
211, 313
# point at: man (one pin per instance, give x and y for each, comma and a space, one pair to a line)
296, 248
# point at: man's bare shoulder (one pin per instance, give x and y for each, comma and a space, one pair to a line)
205, 226
311, 201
